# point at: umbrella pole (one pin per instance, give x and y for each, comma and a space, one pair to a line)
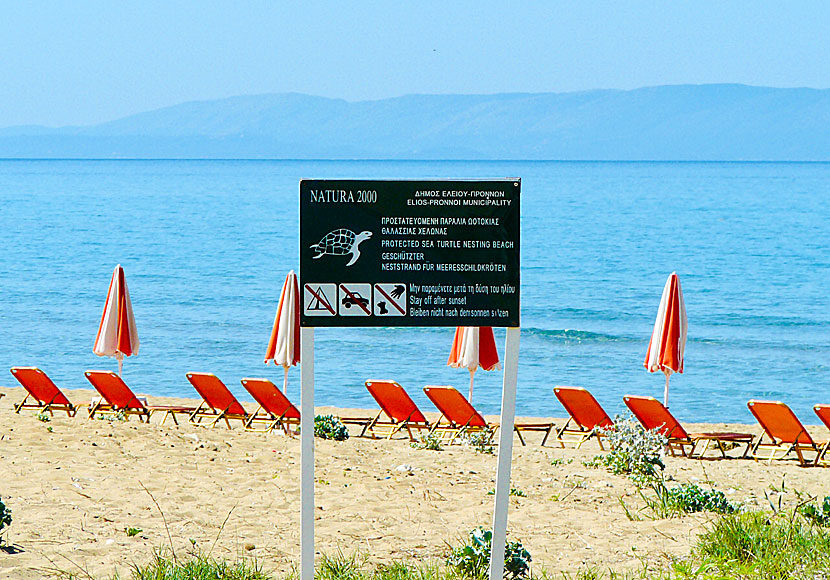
666, 392
120, 362
472, 374
285, 381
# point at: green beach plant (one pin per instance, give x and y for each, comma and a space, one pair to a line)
198, 568
635, 451
5, 519
330, 427
481, 442
686, 498
472, 560
430, 442
817, 513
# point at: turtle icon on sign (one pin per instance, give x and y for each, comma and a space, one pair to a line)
340, 243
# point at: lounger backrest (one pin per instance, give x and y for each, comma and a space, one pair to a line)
38, 385
582, 407
114, 390
652, 414
823, 412
215, 393
395, 402
454, 406
779, 421
271, 398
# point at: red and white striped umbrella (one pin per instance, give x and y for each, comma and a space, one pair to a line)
284, 345
117, 334
668, 339
474, 347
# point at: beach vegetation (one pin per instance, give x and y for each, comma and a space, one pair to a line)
667, 502
132, 532
635, 451
430, 442
330, 427
43, 417
112, 417
561, 461
198, 568
764, 546
481, 441
5, 518
472, 560
817, 513
514, 492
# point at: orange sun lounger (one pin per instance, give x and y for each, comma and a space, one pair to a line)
218, 403
652, 414
823, 412
117, 397
40, 387
459, 415
275, 410
783, 432
400, 410
586, 414
462, 418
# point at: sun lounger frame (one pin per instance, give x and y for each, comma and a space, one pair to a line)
823, 412
678, 438
134, 405
47, 406
206, 410
777, 447
450, 431
388, 428
266, 416
581, 433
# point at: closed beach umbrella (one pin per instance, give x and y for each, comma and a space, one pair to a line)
284, 346
117, 335
668, 339
474, 347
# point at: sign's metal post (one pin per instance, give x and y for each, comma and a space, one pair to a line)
307, 454
508, 415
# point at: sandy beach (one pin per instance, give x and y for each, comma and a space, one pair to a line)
75, 485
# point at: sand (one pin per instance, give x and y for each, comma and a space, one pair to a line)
75, 485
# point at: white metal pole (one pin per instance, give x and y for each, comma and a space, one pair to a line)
307, 454
666, 392
508, 415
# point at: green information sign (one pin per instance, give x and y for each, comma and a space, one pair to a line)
409, 253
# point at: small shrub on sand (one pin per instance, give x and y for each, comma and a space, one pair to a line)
330, 427
429, 442
5, 518
635, 451
686, 498
818, 514
473, 559
481, 442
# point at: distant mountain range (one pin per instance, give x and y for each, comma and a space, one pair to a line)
683, 122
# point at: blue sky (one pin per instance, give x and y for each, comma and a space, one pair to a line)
64, 63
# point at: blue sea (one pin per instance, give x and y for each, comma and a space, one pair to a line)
206, 246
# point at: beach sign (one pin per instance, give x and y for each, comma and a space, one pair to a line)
409, 253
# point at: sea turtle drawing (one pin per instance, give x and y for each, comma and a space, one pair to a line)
341, 242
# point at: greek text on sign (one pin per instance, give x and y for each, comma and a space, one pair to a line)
410, 253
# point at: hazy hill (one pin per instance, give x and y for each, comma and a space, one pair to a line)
685, 122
